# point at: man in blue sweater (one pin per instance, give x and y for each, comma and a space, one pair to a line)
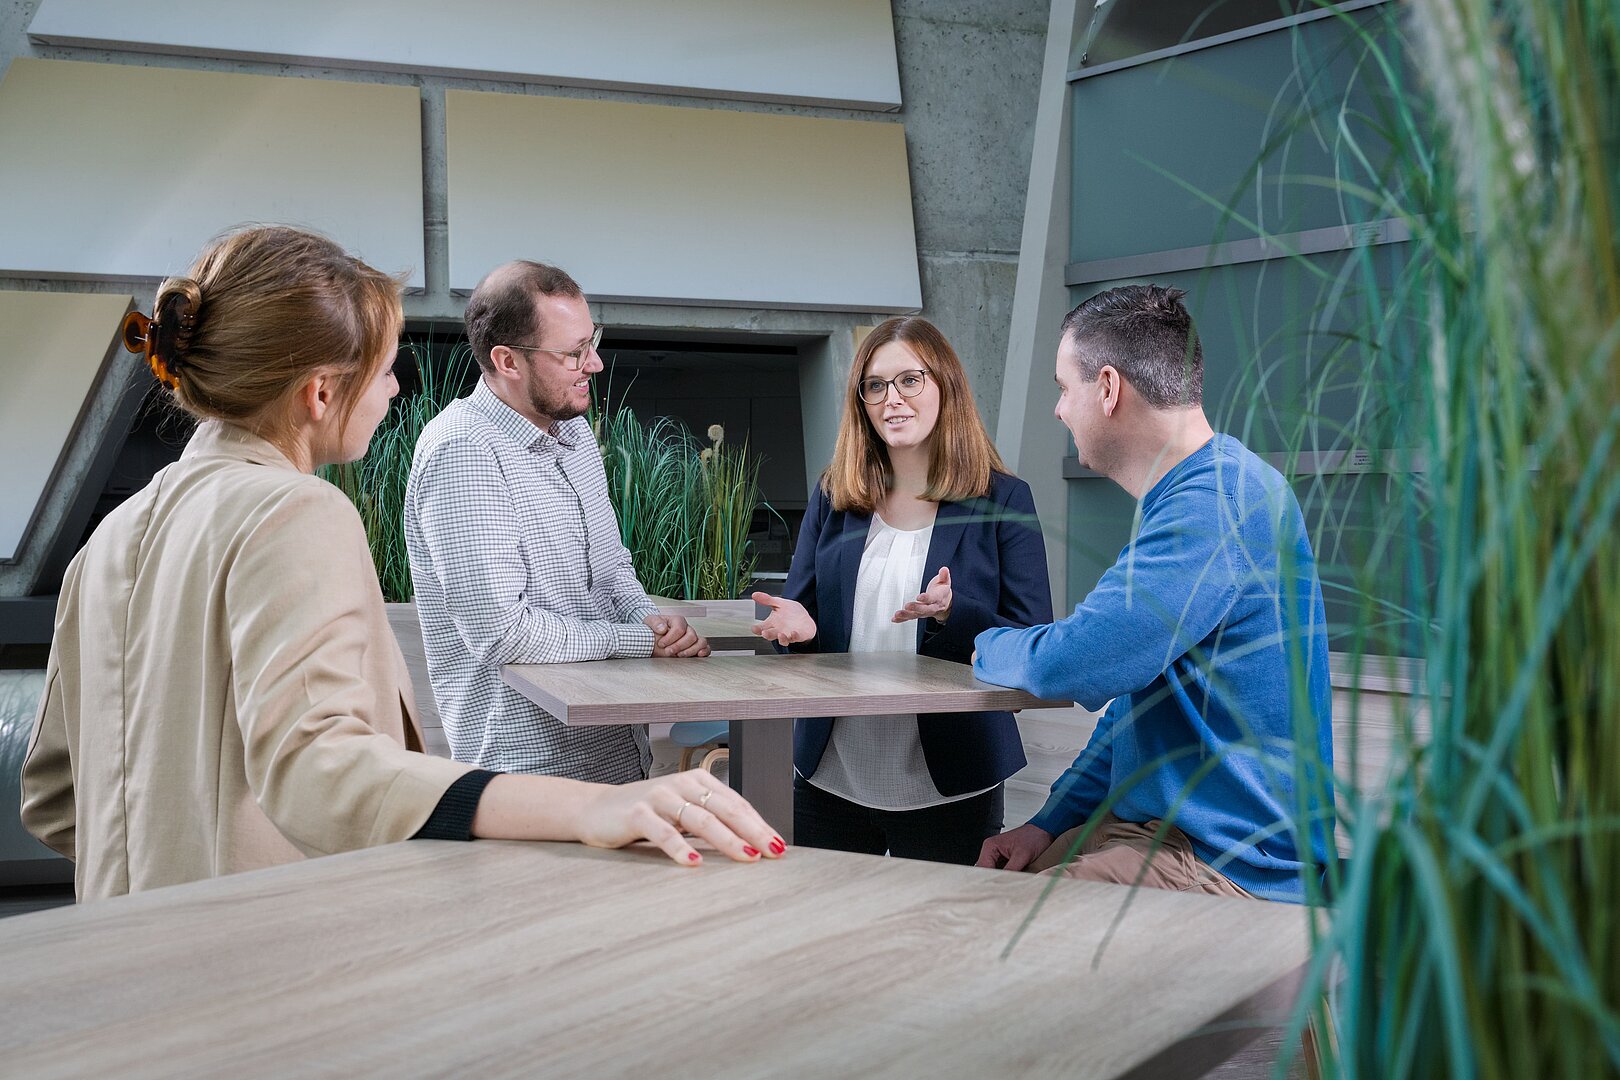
1207, 636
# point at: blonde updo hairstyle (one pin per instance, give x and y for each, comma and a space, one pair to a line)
263, 310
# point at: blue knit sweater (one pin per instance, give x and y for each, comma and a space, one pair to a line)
1208, 637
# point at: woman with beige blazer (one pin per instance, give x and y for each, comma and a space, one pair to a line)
223, 691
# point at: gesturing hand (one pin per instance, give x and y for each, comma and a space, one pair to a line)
788, 621
934, 602
674, 636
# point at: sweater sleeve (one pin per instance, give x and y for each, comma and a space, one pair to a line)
49, 809
49, 803
1083, 785
452, 819
1168, 590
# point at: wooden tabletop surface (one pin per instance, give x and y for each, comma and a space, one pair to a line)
759, 688
506, 959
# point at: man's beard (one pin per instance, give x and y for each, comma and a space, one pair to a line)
558, 408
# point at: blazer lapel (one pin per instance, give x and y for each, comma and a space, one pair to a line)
950, 522
847, 558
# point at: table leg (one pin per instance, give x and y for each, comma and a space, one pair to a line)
761, 765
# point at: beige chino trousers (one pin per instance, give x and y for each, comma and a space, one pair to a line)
1121, 852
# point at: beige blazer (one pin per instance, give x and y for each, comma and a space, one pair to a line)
223, 691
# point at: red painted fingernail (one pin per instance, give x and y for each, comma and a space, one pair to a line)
750, 851
692, 856
777, 847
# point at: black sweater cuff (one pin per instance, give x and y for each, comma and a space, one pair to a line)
452, 819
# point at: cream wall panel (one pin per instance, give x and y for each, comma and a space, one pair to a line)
52, 353
838, 52
683, 205
117, 171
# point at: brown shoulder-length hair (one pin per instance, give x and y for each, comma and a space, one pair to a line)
961, 456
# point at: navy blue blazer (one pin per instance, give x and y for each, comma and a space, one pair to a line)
997, 559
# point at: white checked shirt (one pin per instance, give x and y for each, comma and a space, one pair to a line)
516, 558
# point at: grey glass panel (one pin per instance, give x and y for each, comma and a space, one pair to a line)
1121, 29
1161, 150
1100, 514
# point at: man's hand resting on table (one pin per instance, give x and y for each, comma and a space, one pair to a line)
1015, 849
674, 636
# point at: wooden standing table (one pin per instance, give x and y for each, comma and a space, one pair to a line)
760, 696
491, 959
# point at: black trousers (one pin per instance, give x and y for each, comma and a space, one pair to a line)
950, 833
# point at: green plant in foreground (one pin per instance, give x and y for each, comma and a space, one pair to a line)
1475, 930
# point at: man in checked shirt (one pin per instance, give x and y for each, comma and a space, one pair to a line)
514, 548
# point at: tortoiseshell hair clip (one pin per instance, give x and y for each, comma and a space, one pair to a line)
140, 335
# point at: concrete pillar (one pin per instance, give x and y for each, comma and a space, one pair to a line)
1031, 440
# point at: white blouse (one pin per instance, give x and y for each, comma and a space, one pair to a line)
877, 761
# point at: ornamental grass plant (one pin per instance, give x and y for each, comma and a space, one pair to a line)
684, 510
1474, 929
730, 494
1461, 410
376, 483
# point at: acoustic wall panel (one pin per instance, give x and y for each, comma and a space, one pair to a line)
830, 52
683, 205
117, 171
52, 355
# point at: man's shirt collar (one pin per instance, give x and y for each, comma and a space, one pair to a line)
519, 428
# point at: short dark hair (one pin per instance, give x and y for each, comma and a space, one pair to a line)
501, 311
1146, 333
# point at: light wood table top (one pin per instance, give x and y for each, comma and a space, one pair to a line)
759, 688
505, 959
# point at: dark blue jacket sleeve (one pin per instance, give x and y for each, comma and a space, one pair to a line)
801, 579
1024, 596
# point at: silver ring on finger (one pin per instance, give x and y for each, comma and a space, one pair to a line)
678, 813
703, 803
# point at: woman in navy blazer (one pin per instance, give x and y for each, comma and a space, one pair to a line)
917, 538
